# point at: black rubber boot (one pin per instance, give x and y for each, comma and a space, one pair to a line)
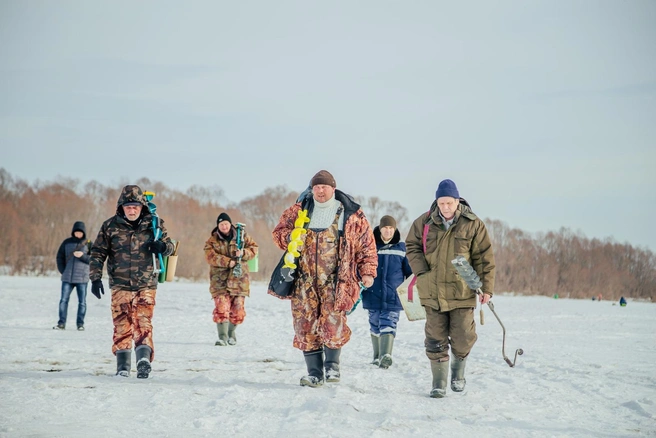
386, 345
440, 372
314, 362
123, 362
222, 329
332, 363
458, 374
232, 337
143, 353
375, 342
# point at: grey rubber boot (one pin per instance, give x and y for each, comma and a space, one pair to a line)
332, 363
458, 374
314, 362
123, 362
222, 329
375, 341
232, 337
143, 353
440, 372
386, 345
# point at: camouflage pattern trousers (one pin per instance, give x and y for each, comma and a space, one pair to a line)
229, 308
316, 322
132, 313
455, 328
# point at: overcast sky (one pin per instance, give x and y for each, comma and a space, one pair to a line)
542, 112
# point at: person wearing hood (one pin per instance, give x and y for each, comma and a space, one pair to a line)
337, 255
381, 300
73, 265
228, 290
126, 241
447, 230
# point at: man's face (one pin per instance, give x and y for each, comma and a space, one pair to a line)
448, 206
224, 227
387, 233
78, 234
132, 212
322, 192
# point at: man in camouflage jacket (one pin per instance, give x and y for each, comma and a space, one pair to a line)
448, 230
126, 241
338, 253
228, 291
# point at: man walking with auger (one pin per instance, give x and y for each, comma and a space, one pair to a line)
447, 230
127, 241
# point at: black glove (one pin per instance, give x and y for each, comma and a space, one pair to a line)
97, 288
156, 247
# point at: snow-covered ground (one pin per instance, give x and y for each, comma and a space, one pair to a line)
588, 371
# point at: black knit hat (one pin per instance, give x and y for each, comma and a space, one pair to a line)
323, 177
387, 221
223, 217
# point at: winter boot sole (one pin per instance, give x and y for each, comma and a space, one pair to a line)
143, 369
386, 361
311, 381
332, 376
458, 385
438, 393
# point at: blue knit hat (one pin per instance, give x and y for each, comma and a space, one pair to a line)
447, 188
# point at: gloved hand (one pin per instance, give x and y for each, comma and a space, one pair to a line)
156, 247
97, 288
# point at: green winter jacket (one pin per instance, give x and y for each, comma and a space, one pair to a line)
438, 283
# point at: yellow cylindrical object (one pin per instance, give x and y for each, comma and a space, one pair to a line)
170, 267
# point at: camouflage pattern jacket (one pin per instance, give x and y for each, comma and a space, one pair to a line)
219, 252
357, 248
129, 263
438, 282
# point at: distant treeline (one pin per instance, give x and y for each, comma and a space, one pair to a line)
35, 218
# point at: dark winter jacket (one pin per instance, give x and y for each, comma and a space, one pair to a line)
438, 283
357, 248
393, 269
124, 246
74, 269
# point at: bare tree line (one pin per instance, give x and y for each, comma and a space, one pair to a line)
34, 219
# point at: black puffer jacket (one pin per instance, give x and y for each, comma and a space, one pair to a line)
74, 269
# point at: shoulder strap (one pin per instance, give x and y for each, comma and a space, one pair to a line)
424, 235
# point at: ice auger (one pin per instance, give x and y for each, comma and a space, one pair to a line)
237, 270
157, 233
472, 279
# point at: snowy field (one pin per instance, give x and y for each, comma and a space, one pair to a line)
589, 370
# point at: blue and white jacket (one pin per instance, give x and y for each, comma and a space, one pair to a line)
393, 269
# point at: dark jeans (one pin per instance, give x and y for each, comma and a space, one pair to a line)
66, 290
383, 322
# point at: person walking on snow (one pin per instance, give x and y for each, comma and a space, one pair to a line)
449, 229
73, 265
126, 241
381, 300
338, 253
228, 291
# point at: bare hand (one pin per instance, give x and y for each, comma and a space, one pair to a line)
77, 253
367, 280
485, 298
232, 263
239, 253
